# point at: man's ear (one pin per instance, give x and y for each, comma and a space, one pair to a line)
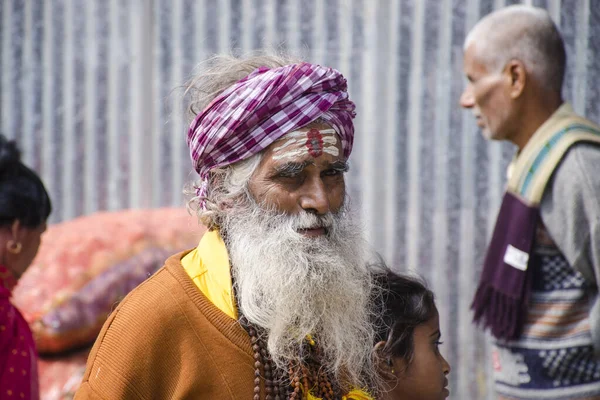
216, 180
516, 75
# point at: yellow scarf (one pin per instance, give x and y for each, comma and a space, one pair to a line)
208, 266
354, 394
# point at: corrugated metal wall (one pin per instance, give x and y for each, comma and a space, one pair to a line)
86, 89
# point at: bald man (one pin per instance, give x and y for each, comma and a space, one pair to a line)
538, 292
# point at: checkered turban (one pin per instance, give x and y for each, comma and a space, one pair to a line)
261, 108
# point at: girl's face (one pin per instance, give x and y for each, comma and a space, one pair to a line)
425, 378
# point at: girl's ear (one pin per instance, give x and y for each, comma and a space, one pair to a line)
388, 366
384, 362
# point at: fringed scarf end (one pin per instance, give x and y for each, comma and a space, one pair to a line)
499, 312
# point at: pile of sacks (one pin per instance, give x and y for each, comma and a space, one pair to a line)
83, 269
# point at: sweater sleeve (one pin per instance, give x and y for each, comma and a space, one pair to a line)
112, 369
570, 210
85, 391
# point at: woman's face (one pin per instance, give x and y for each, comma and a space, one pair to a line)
425, 378
30, 239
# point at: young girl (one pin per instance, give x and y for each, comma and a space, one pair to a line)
407, 341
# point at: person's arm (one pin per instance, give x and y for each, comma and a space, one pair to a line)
109, 359
570, 210
17, 355
126, 358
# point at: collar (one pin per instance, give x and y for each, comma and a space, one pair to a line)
208, 266
561, 113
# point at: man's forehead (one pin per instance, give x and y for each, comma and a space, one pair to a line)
300, 133
312, 142
469, 52
472, 60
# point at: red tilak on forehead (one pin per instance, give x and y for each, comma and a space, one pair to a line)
314, 142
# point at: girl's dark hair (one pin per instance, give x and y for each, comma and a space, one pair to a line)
23, 196
404, 303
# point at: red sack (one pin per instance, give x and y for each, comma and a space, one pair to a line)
61, 377
87, 265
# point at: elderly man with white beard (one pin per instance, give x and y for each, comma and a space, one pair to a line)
274, 301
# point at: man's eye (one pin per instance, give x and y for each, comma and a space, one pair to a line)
290, 177
333, 172
288, 174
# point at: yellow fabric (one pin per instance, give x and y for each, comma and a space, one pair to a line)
208, 266
352, 395
357, 395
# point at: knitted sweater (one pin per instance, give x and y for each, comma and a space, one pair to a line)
571, 212
166, 340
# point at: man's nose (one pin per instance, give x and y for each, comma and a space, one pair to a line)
467, 100
315, 198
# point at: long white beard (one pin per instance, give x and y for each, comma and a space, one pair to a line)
291, 286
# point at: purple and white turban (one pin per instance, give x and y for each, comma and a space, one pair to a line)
261, 108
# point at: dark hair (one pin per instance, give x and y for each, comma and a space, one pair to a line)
23, 196
404, 303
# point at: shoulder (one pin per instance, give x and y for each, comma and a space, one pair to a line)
569, 206
582, 152
154, 300
7, 324
144, 331
162, 309
579, 168
12, 324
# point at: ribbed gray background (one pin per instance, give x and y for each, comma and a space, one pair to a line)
86, 85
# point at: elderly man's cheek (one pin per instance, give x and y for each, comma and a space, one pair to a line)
337, 195
272, 196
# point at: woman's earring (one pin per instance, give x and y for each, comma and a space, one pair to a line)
13, 246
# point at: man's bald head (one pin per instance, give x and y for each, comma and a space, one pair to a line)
524, 33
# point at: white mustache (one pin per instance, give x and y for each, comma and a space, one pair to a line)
312, 221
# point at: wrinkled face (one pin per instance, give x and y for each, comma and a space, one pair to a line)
486, 94
304, 170
425, 378
299, 263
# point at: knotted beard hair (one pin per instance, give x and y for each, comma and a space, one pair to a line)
291, 285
